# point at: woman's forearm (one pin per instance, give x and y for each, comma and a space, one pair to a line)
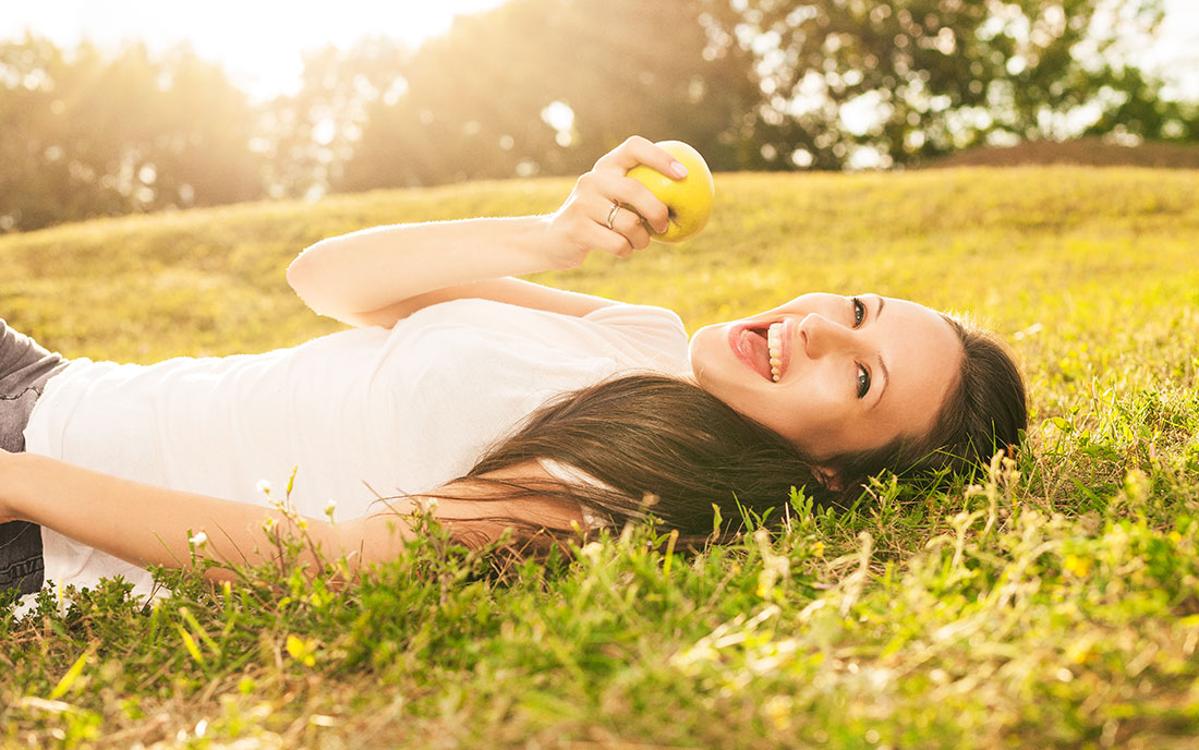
144, 524
372, 268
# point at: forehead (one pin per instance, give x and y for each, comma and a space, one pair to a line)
923, 356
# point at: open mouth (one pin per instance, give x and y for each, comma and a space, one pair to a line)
750, 343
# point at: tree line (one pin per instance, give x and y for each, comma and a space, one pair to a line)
543, 87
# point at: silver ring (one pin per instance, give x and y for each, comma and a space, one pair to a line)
612, 214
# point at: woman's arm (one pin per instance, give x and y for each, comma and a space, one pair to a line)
369, 269
144, 524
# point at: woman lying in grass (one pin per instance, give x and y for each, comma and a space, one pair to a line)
514, 404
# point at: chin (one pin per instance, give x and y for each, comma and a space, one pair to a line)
703, 359
711, 373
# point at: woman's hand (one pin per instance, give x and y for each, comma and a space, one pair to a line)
581, 224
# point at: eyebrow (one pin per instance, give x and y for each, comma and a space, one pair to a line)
881, 364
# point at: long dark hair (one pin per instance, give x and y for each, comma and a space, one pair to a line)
669, 448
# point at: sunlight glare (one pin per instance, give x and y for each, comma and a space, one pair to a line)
260, 44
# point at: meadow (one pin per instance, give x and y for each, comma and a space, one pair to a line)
1053, 600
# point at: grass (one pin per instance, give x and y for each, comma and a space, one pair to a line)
1052, 601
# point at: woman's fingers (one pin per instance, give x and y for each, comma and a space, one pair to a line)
626, 235
632, 193
638, 150
631, 227
581, 223
626, 222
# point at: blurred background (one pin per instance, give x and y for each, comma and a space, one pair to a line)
109, 108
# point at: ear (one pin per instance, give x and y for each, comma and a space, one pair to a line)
829, 477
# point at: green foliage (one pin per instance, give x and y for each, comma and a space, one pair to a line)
544, 87
1051, 601
941, 75
475, 99
92, 134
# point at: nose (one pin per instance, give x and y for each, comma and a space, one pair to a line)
819, 336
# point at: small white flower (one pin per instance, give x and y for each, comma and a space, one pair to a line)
264, 487
592, 551
426, 504
330, 506
200, 539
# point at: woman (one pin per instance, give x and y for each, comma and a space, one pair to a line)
521, 406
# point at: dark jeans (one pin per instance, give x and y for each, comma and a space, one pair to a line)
25, 366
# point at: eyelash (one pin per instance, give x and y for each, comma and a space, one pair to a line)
859, 315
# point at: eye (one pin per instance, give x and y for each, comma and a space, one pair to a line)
859, 312
863, 381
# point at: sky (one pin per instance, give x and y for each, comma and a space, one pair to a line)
258, 42
262, 52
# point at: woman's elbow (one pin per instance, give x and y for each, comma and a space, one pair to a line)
302, 276
299, 270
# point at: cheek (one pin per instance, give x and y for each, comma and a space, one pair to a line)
816, 411
825, 390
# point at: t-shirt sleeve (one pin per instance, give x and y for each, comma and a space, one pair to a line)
658, 332
572, 475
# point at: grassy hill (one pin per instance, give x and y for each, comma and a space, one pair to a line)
1055, 602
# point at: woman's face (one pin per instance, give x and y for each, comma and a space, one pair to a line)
856, 371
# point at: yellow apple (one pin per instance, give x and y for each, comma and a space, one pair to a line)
689, 199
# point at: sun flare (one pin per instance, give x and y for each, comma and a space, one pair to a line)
261, 45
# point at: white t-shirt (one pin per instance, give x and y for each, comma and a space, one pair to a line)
408, 408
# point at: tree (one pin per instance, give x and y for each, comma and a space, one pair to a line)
1142, 112
940, 74
90, 136
545, 86
310, 136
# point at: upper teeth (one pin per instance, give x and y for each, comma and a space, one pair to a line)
774, 344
